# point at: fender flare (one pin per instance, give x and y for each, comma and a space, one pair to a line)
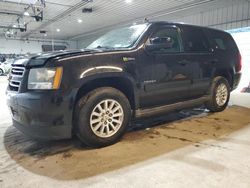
100, 74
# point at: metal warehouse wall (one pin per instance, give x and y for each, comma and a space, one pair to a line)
234, 16
221, 14
242, 39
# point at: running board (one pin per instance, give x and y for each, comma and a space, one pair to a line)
142, 113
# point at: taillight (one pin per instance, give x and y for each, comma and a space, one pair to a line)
239, 63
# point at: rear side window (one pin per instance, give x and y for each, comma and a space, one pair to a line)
195, 40
221, 40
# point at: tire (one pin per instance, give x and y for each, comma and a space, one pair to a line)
90, 114
219, 95
1, 72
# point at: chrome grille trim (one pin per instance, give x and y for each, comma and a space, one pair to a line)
15, 83
17, 71
16, 76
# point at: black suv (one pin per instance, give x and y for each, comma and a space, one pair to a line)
132, 72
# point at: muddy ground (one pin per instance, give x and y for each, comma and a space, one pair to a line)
69, 160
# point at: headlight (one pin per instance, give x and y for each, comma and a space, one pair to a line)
45, 78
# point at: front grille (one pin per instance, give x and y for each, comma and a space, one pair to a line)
16, 75
17, 71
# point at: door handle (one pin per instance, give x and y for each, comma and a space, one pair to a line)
183, 62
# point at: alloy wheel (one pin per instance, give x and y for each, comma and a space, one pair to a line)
221, 94
106, 118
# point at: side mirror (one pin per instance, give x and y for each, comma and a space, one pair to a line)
158, 43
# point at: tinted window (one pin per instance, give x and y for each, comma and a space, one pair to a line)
195, 40
169, 34
221, 40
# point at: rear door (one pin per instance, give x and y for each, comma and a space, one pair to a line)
199, 55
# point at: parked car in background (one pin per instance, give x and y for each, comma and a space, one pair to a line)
6, 66
2, 69
2, 58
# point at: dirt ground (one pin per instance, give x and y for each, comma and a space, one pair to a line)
68, 160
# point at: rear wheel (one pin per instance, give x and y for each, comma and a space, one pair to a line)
102, 117
219, 95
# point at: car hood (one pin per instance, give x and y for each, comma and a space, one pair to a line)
41, 58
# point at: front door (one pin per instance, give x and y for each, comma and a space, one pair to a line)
165, 75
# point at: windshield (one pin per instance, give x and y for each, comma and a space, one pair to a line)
120, 38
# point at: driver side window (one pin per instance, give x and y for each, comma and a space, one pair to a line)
169, 35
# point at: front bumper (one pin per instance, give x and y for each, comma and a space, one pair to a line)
41, 115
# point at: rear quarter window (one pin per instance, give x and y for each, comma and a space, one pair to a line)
222, 40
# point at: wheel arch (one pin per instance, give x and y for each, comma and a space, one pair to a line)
227, 74
123, 83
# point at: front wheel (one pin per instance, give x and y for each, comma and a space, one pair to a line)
219, 95
102, 117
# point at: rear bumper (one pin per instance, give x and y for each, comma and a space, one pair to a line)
41, 115
236, 80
